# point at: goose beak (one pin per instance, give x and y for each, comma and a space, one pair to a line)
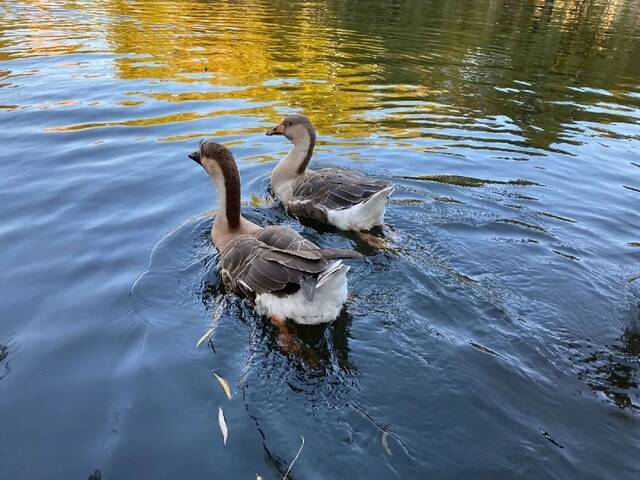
277, 130
195, 156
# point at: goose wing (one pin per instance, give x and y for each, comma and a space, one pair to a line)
277, 260
335, 189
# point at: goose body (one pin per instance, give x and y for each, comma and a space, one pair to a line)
345, 199
285, 275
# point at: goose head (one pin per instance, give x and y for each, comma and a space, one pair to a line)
214, 157
219, 163
297, 128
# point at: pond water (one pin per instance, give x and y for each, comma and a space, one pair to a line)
498, 335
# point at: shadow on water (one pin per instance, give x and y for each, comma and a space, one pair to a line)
6, 352
614, 370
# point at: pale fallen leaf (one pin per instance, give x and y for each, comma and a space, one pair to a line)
385, 443
223, 425
204, 337
224, 384
294, 460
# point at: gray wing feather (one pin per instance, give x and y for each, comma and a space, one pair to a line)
276, 260
285, 239
332, 189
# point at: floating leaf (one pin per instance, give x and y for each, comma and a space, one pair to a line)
258, 477
255, 200
294, 460
223, 425
385, 443
224, 384
204, 337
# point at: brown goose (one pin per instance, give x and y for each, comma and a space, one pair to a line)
342, 198
286, 275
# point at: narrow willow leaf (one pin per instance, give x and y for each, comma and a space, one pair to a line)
294, 460
385, 443
204, 337
224, 384
223, 425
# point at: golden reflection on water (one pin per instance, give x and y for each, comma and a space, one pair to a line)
297, 64
358, 69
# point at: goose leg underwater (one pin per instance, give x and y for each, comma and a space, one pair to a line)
342, 198
284, 274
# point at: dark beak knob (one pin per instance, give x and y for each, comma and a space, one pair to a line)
277, 130
195, 156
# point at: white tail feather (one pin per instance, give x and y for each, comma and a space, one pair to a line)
362, 216
328, 299
331, 269
379, 197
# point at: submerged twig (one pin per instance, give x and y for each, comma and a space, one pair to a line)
385, 442
217, 313
294, 460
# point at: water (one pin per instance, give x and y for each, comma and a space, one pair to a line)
497, 337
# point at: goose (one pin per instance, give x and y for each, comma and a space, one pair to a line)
342, 198
286, 276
